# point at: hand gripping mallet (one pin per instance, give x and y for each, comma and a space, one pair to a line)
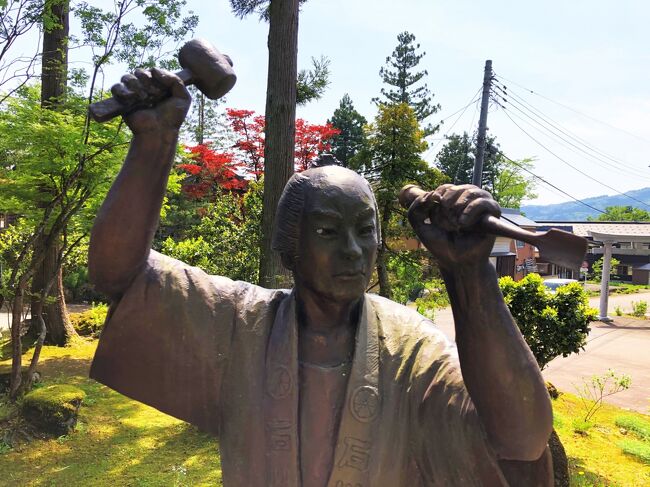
557, 246
203, 66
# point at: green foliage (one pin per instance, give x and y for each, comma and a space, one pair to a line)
434, 297
90, 322
597, 268
510, 185
592, 391
391, 158
637, 449
636, 425
618, 310
221, 237
552, 324
639, 308
352, 137
404, 82
622, 214
12, 241
112, 37
405, 271
312, 83
504, 179
581, 426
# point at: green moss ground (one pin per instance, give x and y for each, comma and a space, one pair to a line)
120, 442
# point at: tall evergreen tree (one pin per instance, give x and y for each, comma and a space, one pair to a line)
281, 93
48, 278
399, 73
350, 123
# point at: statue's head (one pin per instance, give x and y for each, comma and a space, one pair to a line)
327, 231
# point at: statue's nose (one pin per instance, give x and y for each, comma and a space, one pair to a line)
351, 248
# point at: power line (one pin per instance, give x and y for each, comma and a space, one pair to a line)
573, 109
572, 147
474, 99
513, 100
524, 168
571, 165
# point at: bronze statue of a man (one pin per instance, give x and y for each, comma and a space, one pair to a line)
322, 385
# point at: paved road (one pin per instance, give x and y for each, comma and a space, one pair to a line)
623, 346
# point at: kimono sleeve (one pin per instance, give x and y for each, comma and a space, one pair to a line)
166, 342
450, 444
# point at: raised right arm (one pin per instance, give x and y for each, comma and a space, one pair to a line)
127, 220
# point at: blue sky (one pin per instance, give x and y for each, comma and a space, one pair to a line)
590, 55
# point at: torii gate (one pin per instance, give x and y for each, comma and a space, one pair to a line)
607, 240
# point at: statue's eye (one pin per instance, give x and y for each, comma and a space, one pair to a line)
326, 231
367, 230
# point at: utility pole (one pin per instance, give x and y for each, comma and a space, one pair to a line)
482, 125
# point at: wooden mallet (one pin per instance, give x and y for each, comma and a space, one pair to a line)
203, 66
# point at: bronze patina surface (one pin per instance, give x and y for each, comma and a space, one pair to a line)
322, 385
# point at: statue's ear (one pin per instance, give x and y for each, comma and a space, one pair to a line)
288, 261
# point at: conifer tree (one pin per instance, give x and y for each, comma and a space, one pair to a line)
399, 73
350, 123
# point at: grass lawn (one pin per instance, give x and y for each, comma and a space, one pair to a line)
119, 442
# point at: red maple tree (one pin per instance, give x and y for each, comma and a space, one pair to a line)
311, 140
249, 147
211, 172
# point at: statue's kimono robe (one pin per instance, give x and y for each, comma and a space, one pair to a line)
223, 355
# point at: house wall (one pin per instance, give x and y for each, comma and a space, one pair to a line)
525, 258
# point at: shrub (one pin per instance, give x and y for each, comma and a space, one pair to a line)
597, 268
434, 297
639, 308
618, 311
632, 423
636, 448
552, 324
592, 391
90, 322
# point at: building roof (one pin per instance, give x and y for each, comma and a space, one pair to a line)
515, 216
615, 230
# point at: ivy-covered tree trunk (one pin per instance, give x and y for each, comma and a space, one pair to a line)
56, 28
280, 128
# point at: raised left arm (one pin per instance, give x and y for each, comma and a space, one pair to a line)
499, 370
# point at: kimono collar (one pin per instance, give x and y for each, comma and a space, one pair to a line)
359, 415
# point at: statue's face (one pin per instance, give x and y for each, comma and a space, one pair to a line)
338, 238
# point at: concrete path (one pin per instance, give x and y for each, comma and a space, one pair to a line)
623, 346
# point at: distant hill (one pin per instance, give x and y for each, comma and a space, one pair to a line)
575, 211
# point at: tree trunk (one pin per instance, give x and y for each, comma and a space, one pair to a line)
53, 86
382, 270
55, 52
54, 313
16, 344
280, 128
